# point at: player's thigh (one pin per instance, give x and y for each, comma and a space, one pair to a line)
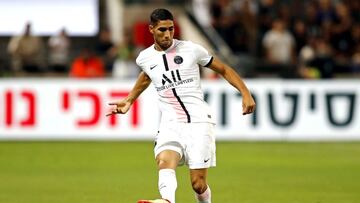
168, 148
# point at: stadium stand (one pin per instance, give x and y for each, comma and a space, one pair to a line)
325, 35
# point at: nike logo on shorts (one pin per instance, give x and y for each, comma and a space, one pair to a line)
206, 160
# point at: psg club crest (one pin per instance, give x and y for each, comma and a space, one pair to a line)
178, 59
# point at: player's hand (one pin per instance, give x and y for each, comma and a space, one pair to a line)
248, 105
120, 107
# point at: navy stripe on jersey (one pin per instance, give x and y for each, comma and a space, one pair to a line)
174, 91
165, 62
182, 105
209, 63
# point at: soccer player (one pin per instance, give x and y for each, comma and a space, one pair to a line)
186, 128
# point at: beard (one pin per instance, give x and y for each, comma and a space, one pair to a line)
165, 44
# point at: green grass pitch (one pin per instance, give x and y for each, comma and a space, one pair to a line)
123, 172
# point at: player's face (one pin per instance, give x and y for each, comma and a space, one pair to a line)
163, 33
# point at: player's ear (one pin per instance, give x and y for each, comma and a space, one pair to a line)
151, 29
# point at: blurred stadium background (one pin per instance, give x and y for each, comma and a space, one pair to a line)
300, 58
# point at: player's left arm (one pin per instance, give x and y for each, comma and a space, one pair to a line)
229, 74
122, 106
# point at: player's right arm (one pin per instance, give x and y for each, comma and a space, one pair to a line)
122, 106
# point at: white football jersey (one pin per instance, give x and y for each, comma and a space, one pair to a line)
176, 76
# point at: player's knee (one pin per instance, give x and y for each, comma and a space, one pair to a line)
164, 164
199, 184
161, 163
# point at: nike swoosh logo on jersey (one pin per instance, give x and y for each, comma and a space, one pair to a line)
152, 67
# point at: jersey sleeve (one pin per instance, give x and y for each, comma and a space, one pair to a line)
139, 61
203, 57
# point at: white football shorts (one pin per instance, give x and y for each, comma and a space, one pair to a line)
195, 142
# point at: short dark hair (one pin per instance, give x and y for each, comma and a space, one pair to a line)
160, 14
